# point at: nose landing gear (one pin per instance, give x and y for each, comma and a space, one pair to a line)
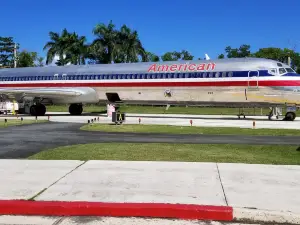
290, 116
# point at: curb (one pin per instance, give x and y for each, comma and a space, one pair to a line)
256, 215
157, 210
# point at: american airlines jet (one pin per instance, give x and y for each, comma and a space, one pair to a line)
246, 81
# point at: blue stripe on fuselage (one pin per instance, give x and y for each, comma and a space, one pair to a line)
93, 76
291, 75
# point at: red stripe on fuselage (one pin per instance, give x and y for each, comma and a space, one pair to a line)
158, 84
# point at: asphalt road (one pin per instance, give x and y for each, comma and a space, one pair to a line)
23, 141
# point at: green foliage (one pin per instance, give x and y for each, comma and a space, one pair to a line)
241, 52
277, 54
112, 45
221, 56
26, 59
175, 56
7, 46
70, 48
150, 57
117, 46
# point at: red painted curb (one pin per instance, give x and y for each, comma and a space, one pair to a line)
158, 210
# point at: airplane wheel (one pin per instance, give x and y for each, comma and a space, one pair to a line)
38, 110
75, 109
290, 116
270, 116
33, 110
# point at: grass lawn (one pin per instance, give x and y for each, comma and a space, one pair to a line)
15, 122
161, 110
228, 153
187, 129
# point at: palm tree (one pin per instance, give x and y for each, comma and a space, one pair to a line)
106, 41
76, 49
54, 47
69, 47
113, 46
130, 45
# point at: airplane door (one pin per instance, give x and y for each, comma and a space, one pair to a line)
253, 80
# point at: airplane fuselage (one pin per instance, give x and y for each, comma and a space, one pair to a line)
244, 80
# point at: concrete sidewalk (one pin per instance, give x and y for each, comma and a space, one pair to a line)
254, 192
174, 119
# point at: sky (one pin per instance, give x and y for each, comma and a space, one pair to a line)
197, 26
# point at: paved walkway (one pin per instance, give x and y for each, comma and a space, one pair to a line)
249, 189
175, 119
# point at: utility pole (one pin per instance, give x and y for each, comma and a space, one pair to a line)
15, 56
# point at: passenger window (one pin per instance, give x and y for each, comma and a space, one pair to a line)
204, 75
224, 74
230, 74
211, 74
217, 74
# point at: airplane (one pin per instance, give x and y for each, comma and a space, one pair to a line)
234, 82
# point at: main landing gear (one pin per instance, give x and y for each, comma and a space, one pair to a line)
38, 110
276, 111
75, 109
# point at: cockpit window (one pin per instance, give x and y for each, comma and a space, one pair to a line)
282, 70
290, 70
279, 64
273, 71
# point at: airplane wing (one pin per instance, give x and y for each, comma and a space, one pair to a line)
41, 92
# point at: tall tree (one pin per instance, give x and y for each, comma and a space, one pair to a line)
221, 56
106, 42
130, 45
26, 59
185, 55
68, 46
7, 46
280, 55
150, 57
116, 46
175, 56
241, 52
40, 62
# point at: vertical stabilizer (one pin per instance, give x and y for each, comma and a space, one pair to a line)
207, 57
